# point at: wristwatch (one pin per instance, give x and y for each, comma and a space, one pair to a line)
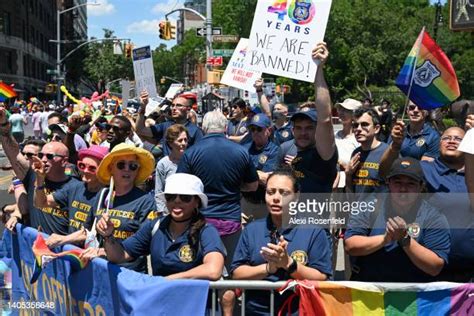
293, 267
405, 241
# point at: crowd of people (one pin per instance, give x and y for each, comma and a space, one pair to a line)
211, 201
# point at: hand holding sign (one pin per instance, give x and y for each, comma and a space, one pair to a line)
320, 53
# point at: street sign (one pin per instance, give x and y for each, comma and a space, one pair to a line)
461, 15
222, 52
202, 31
51, 71
215, 61
225, 38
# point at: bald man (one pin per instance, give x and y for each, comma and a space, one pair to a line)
48, 169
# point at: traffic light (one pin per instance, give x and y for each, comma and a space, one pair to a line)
165, 30
128, 50
171, 30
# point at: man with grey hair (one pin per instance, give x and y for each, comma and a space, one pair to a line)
214, 122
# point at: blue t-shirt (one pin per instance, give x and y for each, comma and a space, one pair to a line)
237, 128
309, 246
426, 143
282, 134
366, 178
287, 148
80, 204
128, 213
158, 130
391, 263
452, 199
168, 256
53, 220
222, 167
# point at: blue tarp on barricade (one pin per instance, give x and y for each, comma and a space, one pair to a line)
102, 288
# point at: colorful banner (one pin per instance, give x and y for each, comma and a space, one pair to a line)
238, 74
101, 288
284, 34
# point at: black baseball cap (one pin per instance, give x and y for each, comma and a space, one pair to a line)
407, 166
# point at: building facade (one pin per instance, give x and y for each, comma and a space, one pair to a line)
26, 53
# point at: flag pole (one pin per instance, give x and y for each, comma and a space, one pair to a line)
420, 40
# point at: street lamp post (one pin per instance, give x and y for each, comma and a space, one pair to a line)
58, 46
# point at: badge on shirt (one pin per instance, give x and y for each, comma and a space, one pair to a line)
186, 254
285, 134
300, 256
262, 159
420, 142
243, 129
413, 230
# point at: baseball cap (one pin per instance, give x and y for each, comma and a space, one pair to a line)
61, 128
256, 109
307, 113
350, 104
407, 166
260, 120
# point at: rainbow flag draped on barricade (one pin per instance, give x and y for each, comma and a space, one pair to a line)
100, 288
359, 298
427, 76
6, 92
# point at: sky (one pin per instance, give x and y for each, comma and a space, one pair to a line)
134, 19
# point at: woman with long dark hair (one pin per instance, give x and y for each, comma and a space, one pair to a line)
181, 245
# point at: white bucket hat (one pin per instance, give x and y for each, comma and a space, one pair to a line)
350, 104
185, 184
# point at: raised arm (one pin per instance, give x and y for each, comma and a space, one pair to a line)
393, 151
469, 164
141, 128
262, 98
325, 144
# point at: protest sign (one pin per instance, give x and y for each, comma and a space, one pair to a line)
143, 71
284, 34
467, 144
237, 74
173, 90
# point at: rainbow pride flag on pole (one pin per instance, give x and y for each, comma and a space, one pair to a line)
6, 92
366, 299
427, 76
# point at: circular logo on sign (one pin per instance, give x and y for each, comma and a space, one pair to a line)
300, 256
186, 254
262, 159
413, 230
285, 134
420, 142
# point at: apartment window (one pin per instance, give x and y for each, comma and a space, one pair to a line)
5, 23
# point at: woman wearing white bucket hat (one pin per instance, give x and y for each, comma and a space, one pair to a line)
182, 245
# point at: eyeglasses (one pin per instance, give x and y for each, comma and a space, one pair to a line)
178, 105
116, 129
29, 155
362, 124
49, 156
254, 129
56, 138
183, 197
85, 167
132, 165
449, 138
412, 107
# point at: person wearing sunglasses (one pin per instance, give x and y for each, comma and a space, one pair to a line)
237, 126
270, 249
181, 245
362, 172
129, 207
264, 155
79, 200
49, 168
180, 107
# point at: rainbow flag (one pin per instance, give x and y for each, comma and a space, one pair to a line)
6, 92
43, 256
361, 298
427, 77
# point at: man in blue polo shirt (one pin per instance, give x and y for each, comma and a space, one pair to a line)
179, 115
405, 239
264, 155
421, 141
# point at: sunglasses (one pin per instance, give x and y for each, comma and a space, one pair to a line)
254, 129
85, 167
412, 107
362, 124
49, 156
132, 165
101, 126
183, 197
29, 155
116, 129
456, 139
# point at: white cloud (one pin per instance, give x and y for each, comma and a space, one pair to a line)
105, 8
165, 7
144, 26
